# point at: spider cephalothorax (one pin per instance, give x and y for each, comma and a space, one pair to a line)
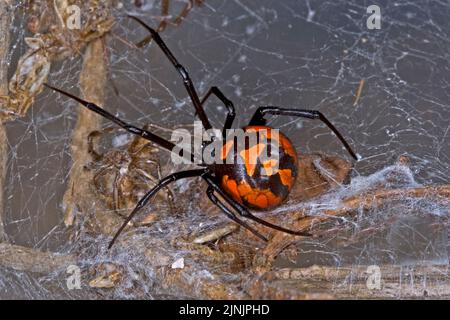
240, 182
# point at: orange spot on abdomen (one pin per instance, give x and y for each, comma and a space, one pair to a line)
230, 186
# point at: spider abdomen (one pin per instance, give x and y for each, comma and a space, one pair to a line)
261, 172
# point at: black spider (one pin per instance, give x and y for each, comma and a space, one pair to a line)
242, 186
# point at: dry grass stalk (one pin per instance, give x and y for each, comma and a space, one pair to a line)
27, 259
359, 92
263, 261
5, 23
92, 81
351, 282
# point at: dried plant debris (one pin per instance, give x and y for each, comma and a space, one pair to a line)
107, 276
123, 173
54, 38
166, 17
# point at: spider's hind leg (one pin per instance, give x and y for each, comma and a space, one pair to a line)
245, 213
230, 214
150, 194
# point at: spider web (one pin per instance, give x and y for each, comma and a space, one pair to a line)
301, 54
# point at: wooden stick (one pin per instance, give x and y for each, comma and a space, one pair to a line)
360, 281
92, 81
5, 23
31, 260
361, 272
365, 201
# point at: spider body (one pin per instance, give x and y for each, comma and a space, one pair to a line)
252, 180
247, 180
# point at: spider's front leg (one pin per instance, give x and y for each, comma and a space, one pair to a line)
231, 114
187, 81
258, 119
126, 126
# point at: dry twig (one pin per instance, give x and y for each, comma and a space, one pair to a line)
26, 259
350, 282
263, 261
92, 80
5, 23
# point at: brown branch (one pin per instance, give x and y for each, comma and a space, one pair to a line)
360, 272
92, 81
351, 281
184, 282
263, 261
3, 159
5, 23
31, 260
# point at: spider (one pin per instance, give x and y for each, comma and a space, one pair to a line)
121, 177
240, 186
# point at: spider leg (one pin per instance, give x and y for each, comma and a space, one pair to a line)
188, 84
258, 119
244, 212
135, 149
231, 114
169, 192
230, 214
148, 176
149, 195
129, 128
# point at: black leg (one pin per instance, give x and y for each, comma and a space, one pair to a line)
129, 128
149, 195
181, 70
244, 212
231, 114
258, 119
230, 214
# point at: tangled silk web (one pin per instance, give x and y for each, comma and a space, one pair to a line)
302, 54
